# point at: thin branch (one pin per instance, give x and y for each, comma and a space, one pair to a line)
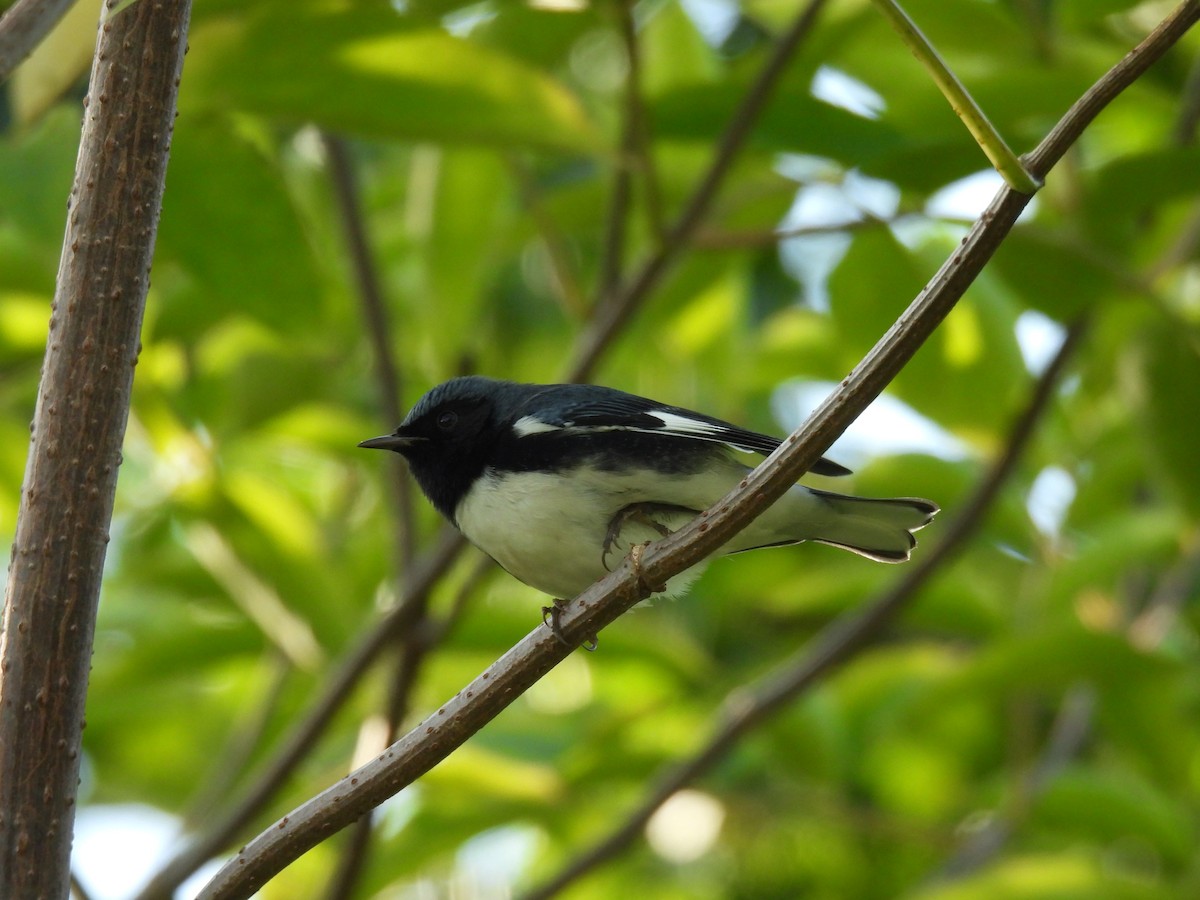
1151, 626
612, 250
58, 552
612, 316
484, 567
1099, 95
22, 28
961, 101
1188, 119
387, 374
1180, 251
1184, 135
641, 158
837, 643
388, 378
353, 861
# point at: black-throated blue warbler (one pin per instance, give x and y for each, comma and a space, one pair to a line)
556, 482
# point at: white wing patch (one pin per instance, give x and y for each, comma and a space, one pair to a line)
527, 425
677, 424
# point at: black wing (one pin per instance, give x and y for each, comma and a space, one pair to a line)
591, 407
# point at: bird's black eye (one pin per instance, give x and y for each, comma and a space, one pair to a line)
447, 420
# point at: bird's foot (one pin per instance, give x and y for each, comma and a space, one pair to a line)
635, 561
551, 618
641, 514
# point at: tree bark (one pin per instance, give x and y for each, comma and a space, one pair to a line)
78, 427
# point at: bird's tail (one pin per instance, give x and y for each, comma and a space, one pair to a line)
877, 529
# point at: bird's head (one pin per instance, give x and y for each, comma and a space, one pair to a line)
448, 435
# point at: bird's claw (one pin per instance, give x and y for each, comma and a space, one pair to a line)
551, 618
635, 562
640, 513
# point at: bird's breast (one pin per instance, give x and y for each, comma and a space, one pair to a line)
546, 529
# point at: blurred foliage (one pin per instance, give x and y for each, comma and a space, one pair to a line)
253, 543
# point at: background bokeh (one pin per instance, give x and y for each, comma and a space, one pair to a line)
1030, 727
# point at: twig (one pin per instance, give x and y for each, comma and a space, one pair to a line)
641, 157
1189, 107
22, 28
388, 378
387, 374
612, 251
1150, 627
357, 846
961, 101
78, 426
1184, 135
745, 710
612, 316
1099, 95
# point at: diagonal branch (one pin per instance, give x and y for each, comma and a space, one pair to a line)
745, 710
612, 251
484, 698
961, 101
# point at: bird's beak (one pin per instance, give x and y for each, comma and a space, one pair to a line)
390, 442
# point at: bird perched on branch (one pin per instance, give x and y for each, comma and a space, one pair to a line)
557, 482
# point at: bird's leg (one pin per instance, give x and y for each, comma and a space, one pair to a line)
551, 616
642, 514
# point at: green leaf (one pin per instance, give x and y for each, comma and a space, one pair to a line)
370, 72
793, 122
230, 241
1170, 384
1054, 273
1116, 806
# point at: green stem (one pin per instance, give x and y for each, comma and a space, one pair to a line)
1006, 162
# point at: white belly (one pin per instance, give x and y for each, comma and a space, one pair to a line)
549, 530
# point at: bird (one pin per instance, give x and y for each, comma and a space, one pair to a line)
558, 482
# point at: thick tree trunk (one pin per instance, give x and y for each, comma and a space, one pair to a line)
78, 427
